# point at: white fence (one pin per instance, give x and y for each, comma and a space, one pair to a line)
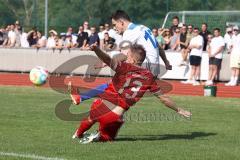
82, 62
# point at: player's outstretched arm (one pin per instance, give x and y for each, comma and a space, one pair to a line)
104, 57
101, 54
170, 104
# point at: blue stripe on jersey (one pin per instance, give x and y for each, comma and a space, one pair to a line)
132, 26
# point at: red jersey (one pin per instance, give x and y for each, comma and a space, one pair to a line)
129, 84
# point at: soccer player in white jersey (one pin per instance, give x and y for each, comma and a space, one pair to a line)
132, 34
142, 35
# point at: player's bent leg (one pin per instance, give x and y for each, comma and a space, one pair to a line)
85, 125
109, 126
93, 92
98, 110
77, 98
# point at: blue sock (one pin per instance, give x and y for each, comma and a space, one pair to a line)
93, 92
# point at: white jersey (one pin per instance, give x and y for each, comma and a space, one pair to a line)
142, 35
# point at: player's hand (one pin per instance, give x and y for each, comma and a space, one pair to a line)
93, 47
168, 66
184, 113
89, 48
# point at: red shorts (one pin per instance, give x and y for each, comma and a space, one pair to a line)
109, 122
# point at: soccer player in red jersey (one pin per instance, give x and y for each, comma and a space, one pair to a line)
128, 86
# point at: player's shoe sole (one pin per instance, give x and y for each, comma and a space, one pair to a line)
93, 137
76, 98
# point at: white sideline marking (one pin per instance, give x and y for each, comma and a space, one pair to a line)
30, 156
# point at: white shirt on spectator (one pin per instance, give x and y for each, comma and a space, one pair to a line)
236, 44
88, 31
51, 43
23, 40
198, 40
12, 36
74, 39
142, 35
101, 35
111, 33
216, 43
42, 40
228, 40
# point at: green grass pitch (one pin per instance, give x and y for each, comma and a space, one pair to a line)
29, 126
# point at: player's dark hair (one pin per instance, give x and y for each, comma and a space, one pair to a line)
120, 14
139, 52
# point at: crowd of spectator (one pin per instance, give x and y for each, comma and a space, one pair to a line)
189, 40
104, 36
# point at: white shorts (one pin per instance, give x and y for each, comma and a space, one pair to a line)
234, 60
153, 67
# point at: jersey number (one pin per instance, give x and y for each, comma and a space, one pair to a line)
148, 36
134, 90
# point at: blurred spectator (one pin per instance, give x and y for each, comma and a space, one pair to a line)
167, 38
189, 32
108, 29
100, 33
93, 38
204, 33
42, 40
24, 41
51, 42
86, 28
2, 30
155, 32
82, 38
174, 43
5, 35
228, 38
69, 30
11, 36
61, 41
32, 38
234, 57
160, 39
196, 48
175, 23
215, 52
18, 31
69, 41
210, 37
108, 42
184, 45
74, 37
18, 26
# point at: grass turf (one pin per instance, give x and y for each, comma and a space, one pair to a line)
28, 125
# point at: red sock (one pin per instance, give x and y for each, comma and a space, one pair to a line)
85, 125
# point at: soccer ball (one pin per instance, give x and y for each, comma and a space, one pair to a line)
38, 75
